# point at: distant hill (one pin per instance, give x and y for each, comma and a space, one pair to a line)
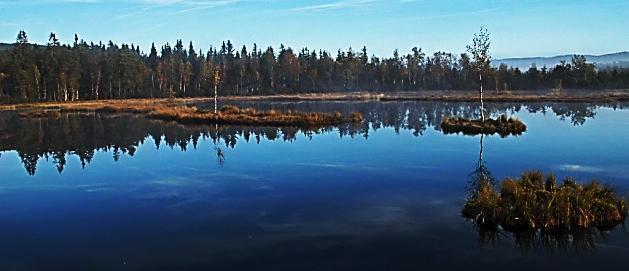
620, 59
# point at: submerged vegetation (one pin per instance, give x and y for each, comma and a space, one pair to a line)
538, 203
503, 126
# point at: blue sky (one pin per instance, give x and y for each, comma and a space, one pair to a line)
518, 28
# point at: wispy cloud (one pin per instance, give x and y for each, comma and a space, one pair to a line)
134, 13
336, 5
178, 6
207, 5
456, 14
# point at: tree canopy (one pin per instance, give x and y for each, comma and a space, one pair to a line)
83, 71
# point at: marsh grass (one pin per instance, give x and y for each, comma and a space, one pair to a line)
537, 202
249, 116
503, 126
173, 110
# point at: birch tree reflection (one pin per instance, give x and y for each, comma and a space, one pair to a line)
481, 176
526, 240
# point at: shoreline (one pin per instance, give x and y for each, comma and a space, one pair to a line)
448, 96
566, 96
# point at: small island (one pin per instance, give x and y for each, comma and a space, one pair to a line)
177, 110
503, 126
535, 202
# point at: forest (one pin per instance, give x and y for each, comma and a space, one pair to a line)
85, 71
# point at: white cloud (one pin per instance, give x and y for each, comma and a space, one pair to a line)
579, 168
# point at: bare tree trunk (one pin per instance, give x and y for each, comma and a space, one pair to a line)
482, 105
98, 84
45, 89
93, 86
65, 91
215, 99
37, 84
152, 83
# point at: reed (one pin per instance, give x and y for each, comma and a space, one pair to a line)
538, 202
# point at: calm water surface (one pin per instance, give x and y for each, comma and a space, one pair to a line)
120, 192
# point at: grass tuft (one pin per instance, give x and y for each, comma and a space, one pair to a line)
537, 202
503, 126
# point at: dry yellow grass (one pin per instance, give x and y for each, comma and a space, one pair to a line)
539, 202
175, 110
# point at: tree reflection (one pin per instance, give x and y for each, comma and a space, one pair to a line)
83, 134
220, 154
481, 175
528, 240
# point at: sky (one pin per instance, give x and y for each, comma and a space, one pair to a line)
518, 28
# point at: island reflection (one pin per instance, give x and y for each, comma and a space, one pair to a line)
84, 134
574, 241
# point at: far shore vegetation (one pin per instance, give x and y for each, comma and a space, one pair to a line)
82, 70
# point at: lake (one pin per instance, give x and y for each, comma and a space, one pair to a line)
122, 192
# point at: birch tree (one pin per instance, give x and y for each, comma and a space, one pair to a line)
481, 59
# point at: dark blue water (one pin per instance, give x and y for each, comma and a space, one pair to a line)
120, 192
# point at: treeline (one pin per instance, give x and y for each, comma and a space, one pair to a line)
81, 71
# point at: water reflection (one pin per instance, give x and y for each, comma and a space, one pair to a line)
418, 116
573, 241
82, 134
528, 241
481, 174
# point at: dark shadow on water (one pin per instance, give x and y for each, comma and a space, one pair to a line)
554, 242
